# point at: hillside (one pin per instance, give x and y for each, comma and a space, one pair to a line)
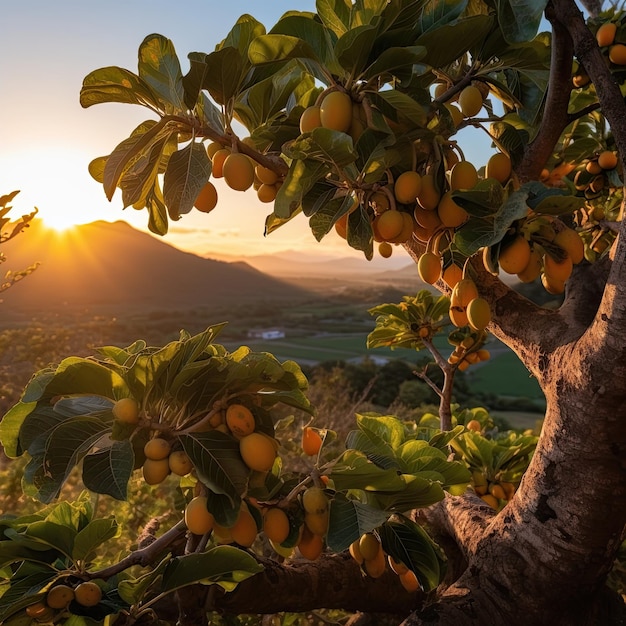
111, 266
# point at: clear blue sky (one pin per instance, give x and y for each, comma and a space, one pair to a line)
47, 139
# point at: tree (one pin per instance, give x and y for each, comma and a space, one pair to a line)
339, 106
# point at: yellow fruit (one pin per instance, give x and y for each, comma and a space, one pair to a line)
397, 567
240, 420
463, 176
570, 241
407, 229
311, 440
499, 167
126, 411
617, 54
238, 171
451, 275
265, 175
455, 113
458, 317
474, 425
244, 531
593, 168
440, 89
478, 313
198, 519
428, 196
605, 35
310, 545
336, 111
450, 213
310, 119
314, 500
221, 534
514, 258
39, 611
607, 160
155, 472
483, 355
217, 169
552, 285
389, 224
509, 489
88, 594
317, 523
59, 596
580, 80
497, 491
276, 525
369, 546
532, 271
157, 448
180, 464
385, 249
426, 218
258, 451
207, 198
463, 293
409, 581
266, 193
490, 500
376, 566
470, 101
212, 148
341, 226
407, 187
429, 267
555, 270
355, 552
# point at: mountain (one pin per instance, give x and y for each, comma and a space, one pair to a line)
106, 266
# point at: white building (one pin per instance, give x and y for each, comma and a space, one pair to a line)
266, 333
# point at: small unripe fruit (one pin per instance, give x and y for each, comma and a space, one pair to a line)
385, 249
88, 594
157, 449
314, 500
126, 410
198, 519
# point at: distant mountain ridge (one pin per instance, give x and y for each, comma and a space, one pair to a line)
104, 265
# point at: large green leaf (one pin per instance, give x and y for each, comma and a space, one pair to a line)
132, 590
108, 470
437, 13
243, 33
360, 235
272, 48
354, 47
417, 492
355, 471
88, 541
408, 543
349, 519
52, 536
335, 14
10, 426
224, 565
323, 144
389, 429
300, 179
187, 172
115, 84
223, 74
520, 19
393, 60
160, 69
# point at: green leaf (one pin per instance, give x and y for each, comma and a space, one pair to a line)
89, 539
354, 47
108, 471
10, 426
355, 471
115, 84
224, 565
408, 543
272, 48
132, 590
335, 14
520, 19
56, 536
223, 74
392, 60
349, 519
300, 179
360, 235
438, 13
389, 429
404, 107
417, 492
160, 69
187, 172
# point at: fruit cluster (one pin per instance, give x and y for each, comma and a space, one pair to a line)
368, 552
60, 598
495, 493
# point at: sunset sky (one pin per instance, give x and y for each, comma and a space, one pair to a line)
47, 140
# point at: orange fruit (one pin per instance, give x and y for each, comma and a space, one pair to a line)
155, 471
217, 170
207, 198
429, 267
59, 596
88, 594
126, 410
428, 196
276, 525
311, 441
471, 101
336, 111
244, 531
607, 160
514, 258
310, 119
389, 224
407, 187
180, 464
385, 249
605, 35
157, 448
238, 171
479, 313
240, 420
198, 519
258, 451
617, 54
498, 167
463, 176
450, 213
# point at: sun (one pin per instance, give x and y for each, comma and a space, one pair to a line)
59, 219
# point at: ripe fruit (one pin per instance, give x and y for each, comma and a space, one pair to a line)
157, 448
514, 258
617, 54
198, 519
497, 491
266, 193
491, 501
407, 187
607, 160
451, 275
427, 219
155, 471
336, 111
474, 425
311, 440
238, 171
463, 176
389, 224
310, 545
450, 213
429, 267
314, 501
552, 285
317, 523
126, 410
276, 525
310, 119
498, 167
207, 198
397, 566
212, 148
533, 269
470, 101
478, 313
376, 566
605, 35
244, 531
463, 293
428, 196
217, 169
407, 229
59, 596
180, 464
557, 270
369, 545
88, 594
385, 249
569, 240
458, 317
240, 420
355, 552
258, 451
409, 581
265, 175
39, 611
455, 113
